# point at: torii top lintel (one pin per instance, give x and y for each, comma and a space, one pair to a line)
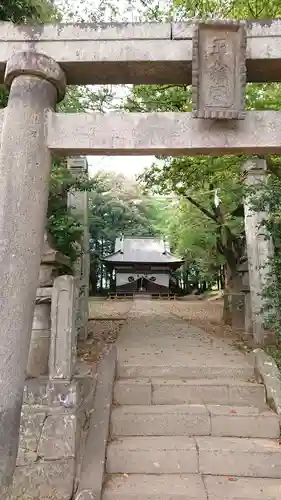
135, 53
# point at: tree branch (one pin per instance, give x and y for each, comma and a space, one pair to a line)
202, 209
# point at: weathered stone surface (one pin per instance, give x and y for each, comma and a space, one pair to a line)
35, 392
206, 392
268, 372
63, 334
93, 464
239, 457
135, 391
26, 457
78, 203
151, 133
162, 420
239, 488
40, 341
146, 55
151, 455
58, 437
259, 247
31, 427
34, 63
44, 481
25, 163
154, 487
127, 370
65, 394
218, 70
243, 421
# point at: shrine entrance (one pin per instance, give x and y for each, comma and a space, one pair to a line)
36, 63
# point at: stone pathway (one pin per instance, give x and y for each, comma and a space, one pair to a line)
188, 422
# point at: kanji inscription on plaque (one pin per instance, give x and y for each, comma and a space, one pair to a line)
219, 70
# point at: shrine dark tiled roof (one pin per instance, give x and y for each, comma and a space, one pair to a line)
142, 250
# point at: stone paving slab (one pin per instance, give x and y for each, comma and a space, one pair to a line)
194, 420
134, 392
222, 392
152, 455
155, 487
44, 480
239, 457
194, 370
243, 421
179, 420
238, 488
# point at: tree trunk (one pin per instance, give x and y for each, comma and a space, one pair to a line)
233, 284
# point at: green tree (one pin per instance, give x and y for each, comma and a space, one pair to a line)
116, 207
198, 179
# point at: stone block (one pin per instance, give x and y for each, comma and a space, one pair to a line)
132, 392
44, 481
239, 457
35, 392
240, 488
267, 371
165, 392
218, 70
65, 394
58, 437
26, 457
243, 421
184, 371
155, 487
152, 455
93, 465
150, 133
63, 335
30, 429
246, 393
38, 356
162, 420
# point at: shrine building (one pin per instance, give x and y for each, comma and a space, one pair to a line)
143, 265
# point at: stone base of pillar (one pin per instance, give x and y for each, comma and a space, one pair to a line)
52, 436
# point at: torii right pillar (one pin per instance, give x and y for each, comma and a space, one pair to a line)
259, 248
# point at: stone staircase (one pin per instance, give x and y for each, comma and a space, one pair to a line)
188, 421
207, 439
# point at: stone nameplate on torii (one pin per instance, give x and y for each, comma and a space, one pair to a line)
219, 70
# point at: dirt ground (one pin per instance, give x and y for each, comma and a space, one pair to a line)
106, 317
103, 308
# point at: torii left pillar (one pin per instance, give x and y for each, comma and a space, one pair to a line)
36, 83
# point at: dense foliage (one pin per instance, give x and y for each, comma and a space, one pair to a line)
117, 208
207, 225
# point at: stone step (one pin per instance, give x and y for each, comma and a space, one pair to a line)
198, 420
154, 487
183, 455
244, 422
240, 488
170, 371
182, 391
239, 457
152, 455
189, 487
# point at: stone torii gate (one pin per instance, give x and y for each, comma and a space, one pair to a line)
36, 63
